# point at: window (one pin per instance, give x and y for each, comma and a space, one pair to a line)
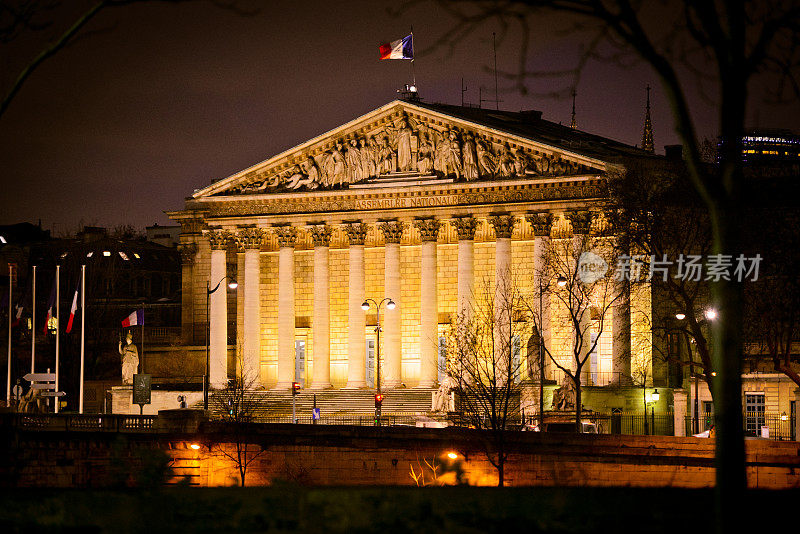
593, 344
516, 351
370, 363
754, 413
300, 362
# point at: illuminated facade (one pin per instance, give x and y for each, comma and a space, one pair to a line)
421, 203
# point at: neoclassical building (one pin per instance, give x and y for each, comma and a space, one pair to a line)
421, 203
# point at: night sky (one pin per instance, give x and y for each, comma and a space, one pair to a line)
153, 101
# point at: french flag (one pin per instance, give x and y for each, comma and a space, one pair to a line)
136, 318
73, 309
400, 49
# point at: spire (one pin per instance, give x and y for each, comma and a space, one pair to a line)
574, 123
647, 134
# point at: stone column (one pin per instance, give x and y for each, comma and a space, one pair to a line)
465, 227
250, 240
503, 228
322, 308
287, 235
188, 253
543, 283
621, 322
679, 410
429, 316
581, 224
392, 355
218, 310
357, 318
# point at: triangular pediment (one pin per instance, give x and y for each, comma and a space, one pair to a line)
408, 144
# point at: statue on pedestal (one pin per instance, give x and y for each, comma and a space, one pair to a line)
130, 359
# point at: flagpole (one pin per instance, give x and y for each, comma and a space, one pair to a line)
83, 324
413, 55
58, 328
142, 337
33, 324
8, 378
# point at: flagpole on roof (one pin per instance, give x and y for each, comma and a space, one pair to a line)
58, 328
142, 337
413, 72
8, 377
33, 323
83, 325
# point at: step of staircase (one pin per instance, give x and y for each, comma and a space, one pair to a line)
336, 402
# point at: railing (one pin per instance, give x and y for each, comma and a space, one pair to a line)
364, 420
83, 423
779, 429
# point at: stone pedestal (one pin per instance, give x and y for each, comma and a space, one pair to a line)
681, 400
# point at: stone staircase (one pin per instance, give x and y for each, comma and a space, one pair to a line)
338, 402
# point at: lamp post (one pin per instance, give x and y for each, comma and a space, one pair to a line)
232, 284
389, 306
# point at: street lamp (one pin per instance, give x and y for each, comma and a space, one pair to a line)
232, 284
390, 305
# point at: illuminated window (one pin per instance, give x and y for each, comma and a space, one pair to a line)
106, 253
135, 255
3, 240
123, 256
64, 255
90, 254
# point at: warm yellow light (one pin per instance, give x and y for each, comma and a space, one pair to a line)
195, 446
452, 455
680, 316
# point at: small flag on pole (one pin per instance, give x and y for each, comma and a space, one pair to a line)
400, 49
73, 309
134, 319
51, 302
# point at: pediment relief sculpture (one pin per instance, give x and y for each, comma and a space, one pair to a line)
406, 146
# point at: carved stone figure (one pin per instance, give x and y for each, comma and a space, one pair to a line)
505, 161
387, 157
425, 152
402, 136
335, 166
314, 174
470, 159
486, 164
353, 160
453, 163
441, 399
564, 397
521, 163
130, 359
367, 161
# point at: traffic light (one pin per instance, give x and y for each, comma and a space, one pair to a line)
378, 403
295, 388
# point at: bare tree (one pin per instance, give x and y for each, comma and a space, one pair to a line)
484, 366
582, 298
239, 405
726, 45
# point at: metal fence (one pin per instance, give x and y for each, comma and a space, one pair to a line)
79, 423
356, 420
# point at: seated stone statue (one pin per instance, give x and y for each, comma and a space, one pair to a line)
130, 359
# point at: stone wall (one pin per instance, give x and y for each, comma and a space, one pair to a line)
328, 455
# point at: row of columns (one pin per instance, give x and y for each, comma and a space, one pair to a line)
250, 240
